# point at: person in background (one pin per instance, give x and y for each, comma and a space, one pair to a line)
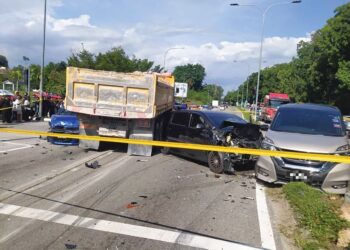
7, 112
17, 108
26, 109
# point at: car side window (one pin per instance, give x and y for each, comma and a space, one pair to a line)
196, 120
181, 119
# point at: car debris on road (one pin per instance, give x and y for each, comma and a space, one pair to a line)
93, 165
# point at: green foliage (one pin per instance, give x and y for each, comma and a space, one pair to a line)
204, 96
113, 60
3, 61
55, 73
230, 97
35, 76
321, 71
193, 74
55, 77
316, 212
197, 97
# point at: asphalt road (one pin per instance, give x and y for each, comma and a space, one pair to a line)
49, 199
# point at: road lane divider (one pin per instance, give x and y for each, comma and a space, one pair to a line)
224, 149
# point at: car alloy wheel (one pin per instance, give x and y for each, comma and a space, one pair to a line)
215, 162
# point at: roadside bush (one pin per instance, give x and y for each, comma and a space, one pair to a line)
316, 212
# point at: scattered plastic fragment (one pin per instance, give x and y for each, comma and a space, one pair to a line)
247, 198
93, 165
132, 204
142, 160
143, 196
70, 246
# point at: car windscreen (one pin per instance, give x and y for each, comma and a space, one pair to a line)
308, 121
218, 118
277, 103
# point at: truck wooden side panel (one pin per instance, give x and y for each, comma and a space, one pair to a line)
118, 95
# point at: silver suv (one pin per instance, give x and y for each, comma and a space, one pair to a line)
306, 128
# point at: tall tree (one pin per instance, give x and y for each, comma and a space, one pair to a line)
193, 74
3, 61
83, 59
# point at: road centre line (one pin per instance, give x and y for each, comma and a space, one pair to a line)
266, 232
251, 151
174, 237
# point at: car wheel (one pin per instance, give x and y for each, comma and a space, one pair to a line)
165, 150
216, 162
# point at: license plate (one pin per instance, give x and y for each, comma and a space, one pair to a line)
298, 176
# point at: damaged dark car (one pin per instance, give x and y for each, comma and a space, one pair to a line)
212, 128
64, 122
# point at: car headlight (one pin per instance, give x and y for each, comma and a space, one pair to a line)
268, 144
343, 150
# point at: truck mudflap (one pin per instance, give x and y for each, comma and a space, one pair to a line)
143, 150
141, 129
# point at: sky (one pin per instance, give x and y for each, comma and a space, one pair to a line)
224, 39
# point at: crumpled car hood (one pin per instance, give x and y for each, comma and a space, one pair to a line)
64, 121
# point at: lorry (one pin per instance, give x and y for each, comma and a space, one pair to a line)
215, 103
125, 105
271, 103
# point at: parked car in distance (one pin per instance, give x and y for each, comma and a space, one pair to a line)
307, 128
64, 122
212, 128
179, 105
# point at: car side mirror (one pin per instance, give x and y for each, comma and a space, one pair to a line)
200, 126
264, 127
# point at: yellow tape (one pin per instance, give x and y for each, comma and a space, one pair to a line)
241, 112
5, 108
260, 152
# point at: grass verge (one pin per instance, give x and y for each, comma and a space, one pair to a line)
318, 213
245, 113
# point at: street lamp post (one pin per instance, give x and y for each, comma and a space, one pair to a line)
263, 12
42, 66
27, 68
248, 68
165, 54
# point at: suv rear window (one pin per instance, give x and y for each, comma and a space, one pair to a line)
181, 118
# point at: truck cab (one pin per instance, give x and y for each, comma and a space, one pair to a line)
271, 103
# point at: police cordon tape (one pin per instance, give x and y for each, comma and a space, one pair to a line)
6, 108
224, 149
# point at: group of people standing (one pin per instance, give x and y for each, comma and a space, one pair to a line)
19, 108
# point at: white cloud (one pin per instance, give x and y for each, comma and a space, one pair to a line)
62, 24
22, 35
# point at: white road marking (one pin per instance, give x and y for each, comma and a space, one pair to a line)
266, 232
22, 146
174, 237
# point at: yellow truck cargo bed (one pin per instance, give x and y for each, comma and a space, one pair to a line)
118, 95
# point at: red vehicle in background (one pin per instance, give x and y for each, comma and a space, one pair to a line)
271, 103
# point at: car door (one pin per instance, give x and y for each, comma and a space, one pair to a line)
199, 132
177, 129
